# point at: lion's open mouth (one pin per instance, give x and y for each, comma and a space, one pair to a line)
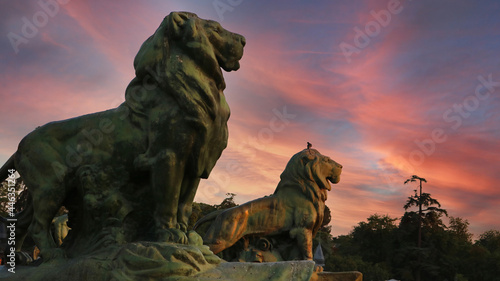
231, 61
333, 179
230, 66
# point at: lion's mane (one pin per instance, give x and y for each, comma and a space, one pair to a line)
301, 173
165, 72
178, 69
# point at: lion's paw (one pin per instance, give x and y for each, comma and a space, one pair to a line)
194, 238
172, 235
182, 227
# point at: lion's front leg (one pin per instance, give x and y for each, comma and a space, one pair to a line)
166, 181
187, 194
304, 241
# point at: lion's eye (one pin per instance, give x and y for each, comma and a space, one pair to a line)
217, 28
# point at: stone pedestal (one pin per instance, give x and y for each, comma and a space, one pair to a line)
190, 267
129, 262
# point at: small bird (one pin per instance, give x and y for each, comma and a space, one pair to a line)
309, 145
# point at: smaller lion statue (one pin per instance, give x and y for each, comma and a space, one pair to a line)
296, 208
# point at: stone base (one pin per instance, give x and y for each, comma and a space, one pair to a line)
126, 267
169, 262
129, 262
340, 276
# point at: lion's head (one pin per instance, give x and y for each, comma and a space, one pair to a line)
311, 171
183, 35
183, 59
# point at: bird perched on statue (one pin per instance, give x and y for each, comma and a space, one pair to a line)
309, 145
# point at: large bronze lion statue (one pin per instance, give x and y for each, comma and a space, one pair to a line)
172, 127
296, 208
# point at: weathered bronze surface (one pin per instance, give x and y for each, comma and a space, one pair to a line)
280, 226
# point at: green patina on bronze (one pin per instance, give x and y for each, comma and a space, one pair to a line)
280, 226
129, 174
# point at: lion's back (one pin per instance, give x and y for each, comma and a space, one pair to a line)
72, 142
265, 215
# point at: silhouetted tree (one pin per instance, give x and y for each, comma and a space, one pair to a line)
201, 209
459, 228
490, 240
482, 261
227, 203
368, 248
429, 218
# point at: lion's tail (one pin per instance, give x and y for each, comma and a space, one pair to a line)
207, 218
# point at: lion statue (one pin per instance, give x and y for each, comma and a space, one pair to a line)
296, 208
172, 128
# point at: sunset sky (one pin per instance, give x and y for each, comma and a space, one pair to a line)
387, 88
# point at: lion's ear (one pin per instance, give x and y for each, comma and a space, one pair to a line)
307, 157
308, 163
308, 170
177, 23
